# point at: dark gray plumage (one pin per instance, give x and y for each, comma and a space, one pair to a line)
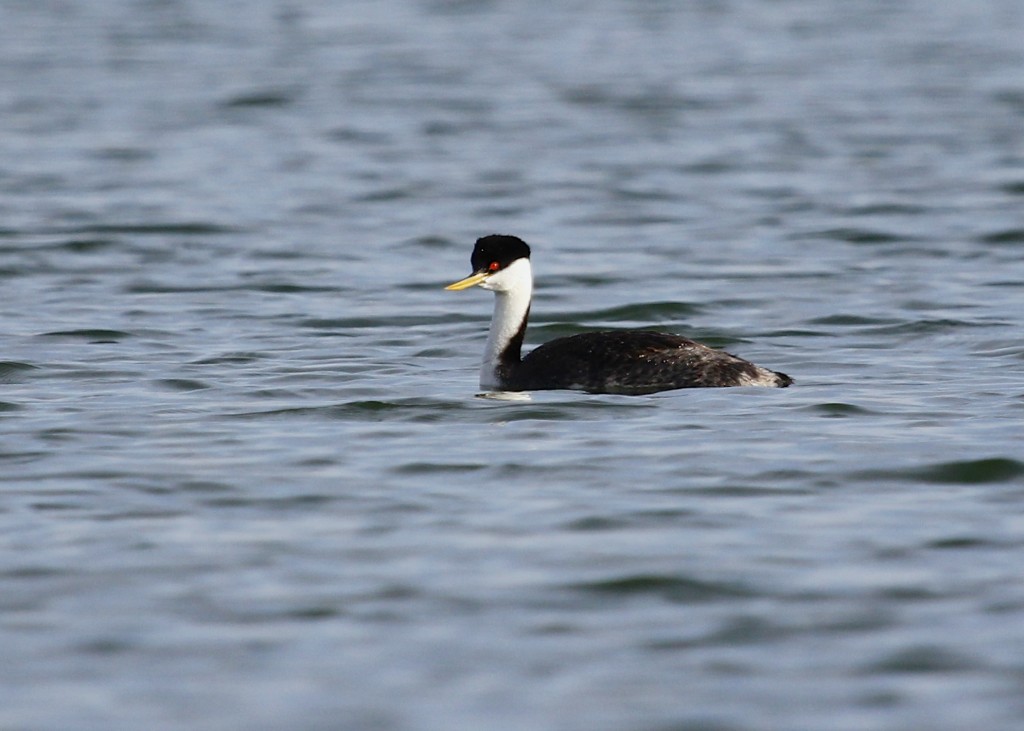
634, 362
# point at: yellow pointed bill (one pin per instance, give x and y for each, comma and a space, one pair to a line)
469, 281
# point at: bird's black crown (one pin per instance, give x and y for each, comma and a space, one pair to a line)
498, 248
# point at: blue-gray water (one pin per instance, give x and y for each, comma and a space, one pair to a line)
245, 482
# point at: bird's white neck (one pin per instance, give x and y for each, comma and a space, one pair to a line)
513, 289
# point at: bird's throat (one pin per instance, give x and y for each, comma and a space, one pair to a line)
503, 351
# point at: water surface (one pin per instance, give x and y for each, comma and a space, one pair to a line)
246, 479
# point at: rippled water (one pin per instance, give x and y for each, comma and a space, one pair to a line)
246, 480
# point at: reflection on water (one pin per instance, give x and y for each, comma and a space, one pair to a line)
505, 395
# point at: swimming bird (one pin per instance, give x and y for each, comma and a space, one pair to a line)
623, 361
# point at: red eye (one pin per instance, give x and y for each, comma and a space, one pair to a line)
493, 266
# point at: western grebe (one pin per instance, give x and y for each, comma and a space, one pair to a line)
626, 361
